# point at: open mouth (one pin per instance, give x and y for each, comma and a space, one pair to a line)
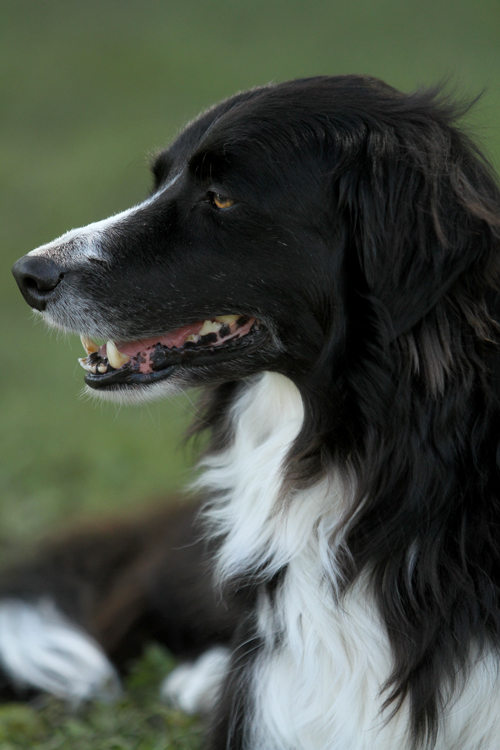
149, 360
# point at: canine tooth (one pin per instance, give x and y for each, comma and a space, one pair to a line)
89, 345
115, 358
227, 318
102, 368
209, 327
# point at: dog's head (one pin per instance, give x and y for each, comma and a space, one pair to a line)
346, 235
281, 222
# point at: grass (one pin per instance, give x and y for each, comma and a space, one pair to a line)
88, 90
136, 722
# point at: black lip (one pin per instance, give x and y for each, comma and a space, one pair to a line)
171, 359
127, 377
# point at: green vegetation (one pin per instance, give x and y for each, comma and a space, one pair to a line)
88, 90
136, 722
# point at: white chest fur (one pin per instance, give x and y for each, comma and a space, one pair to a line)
318, 685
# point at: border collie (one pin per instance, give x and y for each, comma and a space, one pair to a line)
322, 256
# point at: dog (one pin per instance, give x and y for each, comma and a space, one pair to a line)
322, 257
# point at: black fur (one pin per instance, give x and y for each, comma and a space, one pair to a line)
366, 240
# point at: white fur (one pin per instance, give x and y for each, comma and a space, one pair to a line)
86, 241
318, 686
194, 687
40, 648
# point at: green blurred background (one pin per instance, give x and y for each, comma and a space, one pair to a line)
88, 90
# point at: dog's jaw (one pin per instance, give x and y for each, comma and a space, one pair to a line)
140, 363
136, 372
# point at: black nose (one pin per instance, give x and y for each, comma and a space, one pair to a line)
37, 277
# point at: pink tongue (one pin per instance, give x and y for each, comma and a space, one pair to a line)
174, 338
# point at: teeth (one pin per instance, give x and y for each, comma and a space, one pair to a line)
193, 337
89, 345
209, 327
228, 319
115, 358
87, 366
102, 368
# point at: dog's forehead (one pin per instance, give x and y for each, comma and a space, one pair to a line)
267, 115
288, 113
274, 126
190, 138
240, 128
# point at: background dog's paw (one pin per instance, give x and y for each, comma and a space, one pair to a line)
194, 687
40, 648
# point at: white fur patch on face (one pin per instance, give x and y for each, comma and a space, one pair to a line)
194, 687
40, 648
85, 243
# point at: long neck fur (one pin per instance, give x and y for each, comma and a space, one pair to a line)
415, 525
389, 442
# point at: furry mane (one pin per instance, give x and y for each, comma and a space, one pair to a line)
405, 397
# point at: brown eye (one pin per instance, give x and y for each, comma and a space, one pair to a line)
222, 201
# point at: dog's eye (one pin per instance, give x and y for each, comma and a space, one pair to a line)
221, 201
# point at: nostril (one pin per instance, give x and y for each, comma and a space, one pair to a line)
42, 284
31, 283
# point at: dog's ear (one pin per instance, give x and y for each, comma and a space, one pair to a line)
421, 207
